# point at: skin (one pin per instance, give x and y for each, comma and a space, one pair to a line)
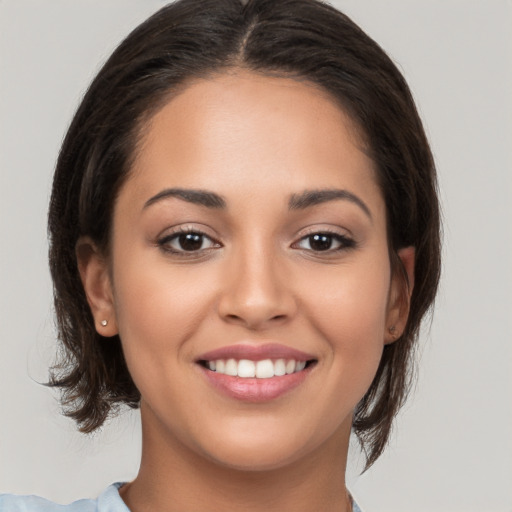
255, 141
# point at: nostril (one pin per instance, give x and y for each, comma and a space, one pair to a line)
255, 312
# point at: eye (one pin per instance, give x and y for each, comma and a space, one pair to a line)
323, 242
187, 242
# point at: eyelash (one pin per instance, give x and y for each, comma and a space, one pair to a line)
345, 243
164, 243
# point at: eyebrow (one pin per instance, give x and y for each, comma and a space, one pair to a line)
300, 201
315, 197
200, 197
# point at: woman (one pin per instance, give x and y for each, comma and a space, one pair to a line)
244, 238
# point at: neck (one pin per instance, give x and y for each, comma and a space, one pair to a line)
173, 477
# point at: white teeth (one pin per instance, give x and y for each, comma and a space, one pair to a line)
246, 368
231, 368
264, 369
280, 367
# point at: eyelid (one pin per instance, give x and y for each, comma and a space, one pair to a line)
188, 227
324, 228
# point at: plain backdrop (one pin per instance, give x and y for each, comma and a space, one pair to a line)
452, 446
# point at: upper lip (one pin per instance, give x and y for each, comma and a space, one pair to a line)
256, 352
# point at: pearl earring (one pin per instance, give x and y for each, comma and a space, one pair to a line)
104, 323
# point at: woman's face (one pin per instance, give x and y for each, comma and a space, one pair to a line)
251, 238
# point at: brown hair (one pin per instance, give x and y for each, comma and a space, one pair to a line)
305, 39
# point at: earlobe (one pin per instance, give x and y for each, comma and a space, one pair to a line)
402, 284
94, 273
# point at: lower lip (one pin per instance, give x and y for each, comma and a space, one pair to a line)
255, 390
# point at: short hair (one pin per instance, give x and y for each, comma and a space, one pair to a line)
300, 39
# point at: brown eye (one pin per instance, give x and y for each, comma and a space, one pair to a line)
322, 242
190, 241
186, 242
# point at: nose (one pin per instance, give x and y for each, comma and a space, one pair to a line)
257, 292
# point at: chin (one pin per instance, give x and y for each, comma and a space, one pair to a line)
255, 459
262, 449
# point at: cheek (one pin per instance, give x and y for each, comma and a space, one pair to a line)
349, 311
157, 310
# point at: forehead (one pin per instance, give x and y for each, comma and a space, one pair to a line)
242, 129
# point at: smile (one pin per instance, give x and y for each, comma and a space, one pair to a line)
256, 372
264, 369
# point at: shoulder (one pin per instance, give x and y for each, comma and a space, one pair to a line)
355, 507
13, 503
108, 501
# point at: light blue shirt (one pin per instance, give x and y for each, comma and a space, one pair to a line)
108, 501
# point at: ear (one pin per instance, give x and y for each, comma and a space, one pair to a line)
402, 284
95, 276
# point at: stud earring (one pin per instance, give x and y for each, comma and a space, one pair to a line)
104, 323
392, 330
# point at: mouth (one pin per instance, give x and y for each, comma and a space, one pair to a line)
262, 369
256, 373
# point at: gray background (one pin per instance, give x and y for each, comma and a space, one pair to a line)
452, 448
